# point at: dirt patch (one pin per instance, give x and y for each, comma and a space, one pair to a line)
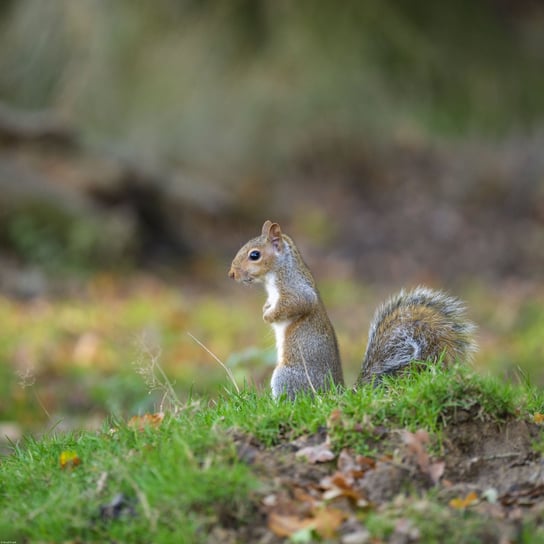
488, 468
496, 455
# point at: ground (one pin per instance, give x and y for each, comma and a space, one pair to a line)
490, 472
438, 455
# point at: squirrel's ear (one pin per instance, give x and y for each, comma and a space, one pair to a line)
266, 227
273, 234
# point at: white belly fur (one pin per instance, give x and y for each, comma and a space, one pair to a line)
272, 290
279, 329
281, 326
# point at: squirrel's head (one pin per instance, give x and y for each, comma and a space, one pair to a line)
259, 256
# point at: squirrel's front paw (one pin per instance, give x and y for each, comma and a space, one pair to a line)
270, 313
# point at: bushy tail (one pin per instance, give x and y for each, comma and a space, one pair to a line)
419, 325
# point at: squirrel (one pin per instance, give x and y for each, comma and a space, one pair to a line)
417, 325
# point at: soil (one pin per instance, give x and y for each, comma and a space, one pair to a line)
488, 468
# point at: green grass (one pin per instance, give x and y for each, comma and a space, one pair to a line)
184, 476
83, 354
176, 476
64, 358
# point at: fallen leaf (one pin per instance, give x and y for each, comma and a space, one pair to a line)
469, 500
339, 485
357, 465
285, 526
415, 444
302, 496
69, 459
328, 520
317, 454
538, 418
324, 521
139, 423
416, 450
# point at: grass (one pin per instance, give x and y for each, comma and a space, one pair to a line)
64, 358
176, 476
183, 476
428, 399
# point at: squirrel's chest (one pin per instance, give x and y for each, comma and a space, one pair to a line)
279, 327
272, 291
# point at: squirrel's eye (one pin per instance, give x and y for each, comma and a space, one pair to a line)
254, 255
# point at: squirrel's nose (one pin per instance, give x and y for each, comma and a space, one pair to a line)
232, 275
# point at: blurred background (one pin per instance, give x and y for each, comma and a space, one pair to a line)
142, 143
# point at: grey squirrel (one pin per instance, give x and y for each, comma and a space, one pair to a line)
418, 325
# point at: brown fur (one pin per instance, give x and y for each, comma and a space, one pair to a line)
308, 357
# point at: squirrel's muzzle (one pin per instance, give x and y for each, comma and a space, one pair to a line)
240, 275
232, 273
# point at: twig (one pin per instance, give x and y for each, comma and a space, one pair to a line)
40, 402
225, 368
507, 455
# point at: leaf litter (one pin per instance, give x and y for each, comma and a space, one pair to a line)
312, 491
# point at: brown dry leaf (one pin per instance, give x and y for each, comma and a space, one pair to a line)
343, 483
538, 418
69, 459
347, 462
327, 521
470, 499
302, 495
139, 423
286, 526
339, 485
356, 466
415, 446
341, 480
365, 463
416, 449
317, 454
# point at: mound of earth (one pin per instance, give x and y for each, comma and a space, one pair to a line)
487, 468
